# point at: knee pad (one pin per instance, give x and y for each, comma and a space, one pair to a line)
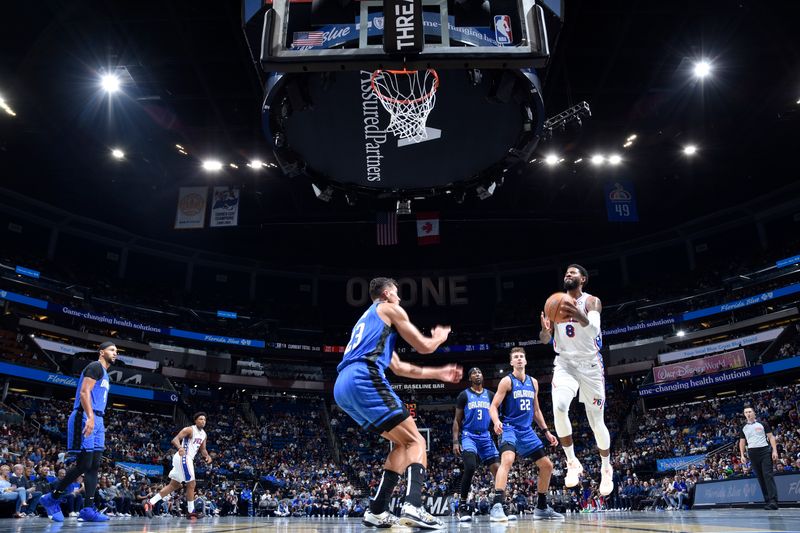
598, 425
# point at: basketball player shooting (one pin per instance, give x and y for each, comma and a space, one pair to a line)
187, 442
573, 324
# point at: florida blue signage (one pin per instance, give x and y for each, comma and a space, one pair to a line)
621, 202
142, 468
679, 463
745, 490
31, 273
789, 261
34, 374
226, 314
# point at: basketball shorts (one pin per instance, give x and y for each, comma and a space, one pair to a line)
584, 377
182, 468
525, 441
363, 392
481, 444
77, 441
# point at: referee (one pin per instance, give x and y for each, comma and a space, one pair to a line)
759, 440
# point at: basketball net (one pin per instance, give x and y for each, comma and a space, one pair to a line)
409, 97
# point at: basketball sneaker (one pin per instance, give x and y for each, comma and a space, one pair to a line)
148, 509
496, 514
546, 514
194, 515
606, 480
574, 471
464, 513
382, 520
412, 516
90, 514
52, 507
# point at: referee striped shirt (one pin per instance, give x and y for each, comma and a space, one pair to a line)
756, 434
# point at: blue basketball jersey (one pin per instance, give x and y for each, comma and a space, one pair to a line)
476, 412
371, 341
95, 371
518, 403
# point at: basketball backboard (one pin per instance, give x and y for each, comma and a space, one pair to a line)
327, 35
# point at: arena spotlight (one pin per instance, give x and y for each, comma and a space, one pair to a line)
689, 149
255, 164
702, 68
110, 83
486, 192
681, 333
116, 153
322, 194
212, 165
614, 159
5, 107
551, 160
598, 160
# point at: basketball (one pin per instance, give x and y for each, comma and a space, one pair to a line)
552, 307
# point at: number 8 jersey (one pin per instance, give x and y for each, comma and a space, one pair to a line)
371, 341
571, 340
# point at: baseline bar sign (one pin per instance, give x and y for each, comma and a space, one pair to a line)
403, 33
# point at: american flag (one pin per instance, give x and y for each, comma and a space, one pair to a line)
308, 38
386, 228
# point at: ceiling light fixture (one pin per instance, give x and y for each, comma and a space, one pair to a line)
117, 153
212, 165
689, 149
110, 83
598, 160
702, 69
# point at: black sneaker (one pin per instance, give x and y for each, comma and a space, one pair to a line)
194, 515
148, 509
464, 513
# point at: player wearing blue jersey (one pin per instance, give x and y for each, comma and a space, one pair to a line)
363, 392
472, 440
86, 436
517, 399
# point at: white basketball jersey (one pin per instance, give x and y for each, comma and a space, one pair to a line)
571, 340
193, 443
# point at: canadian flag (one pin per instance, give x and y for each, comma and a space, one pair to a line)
427, 228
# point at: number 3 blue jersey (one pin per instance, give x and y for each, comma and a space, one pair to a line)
518, 403
371, 341
476, 411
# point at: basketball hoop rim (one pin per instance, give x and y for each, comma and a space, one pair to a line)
422, 98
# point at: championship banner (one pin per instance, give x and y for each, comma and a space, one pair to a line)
191, 211
225, 207
695, 367
621, 202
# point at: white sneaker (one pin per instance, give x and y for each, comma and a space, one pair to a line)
73, 514
496, 514
412, 516
606, 480
574, 471
383, 520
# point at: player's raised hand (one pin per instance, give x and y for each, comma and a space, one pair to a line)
440, 332
451, 373
545, 322
572, 311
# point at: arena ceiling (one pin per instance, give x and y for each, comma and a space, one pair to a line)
189, 80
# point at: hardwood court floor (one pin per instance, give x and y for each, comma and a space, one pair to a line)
706, 521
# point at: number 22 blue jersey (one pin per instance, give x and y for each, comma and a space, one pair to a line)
518, 403
371, 341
